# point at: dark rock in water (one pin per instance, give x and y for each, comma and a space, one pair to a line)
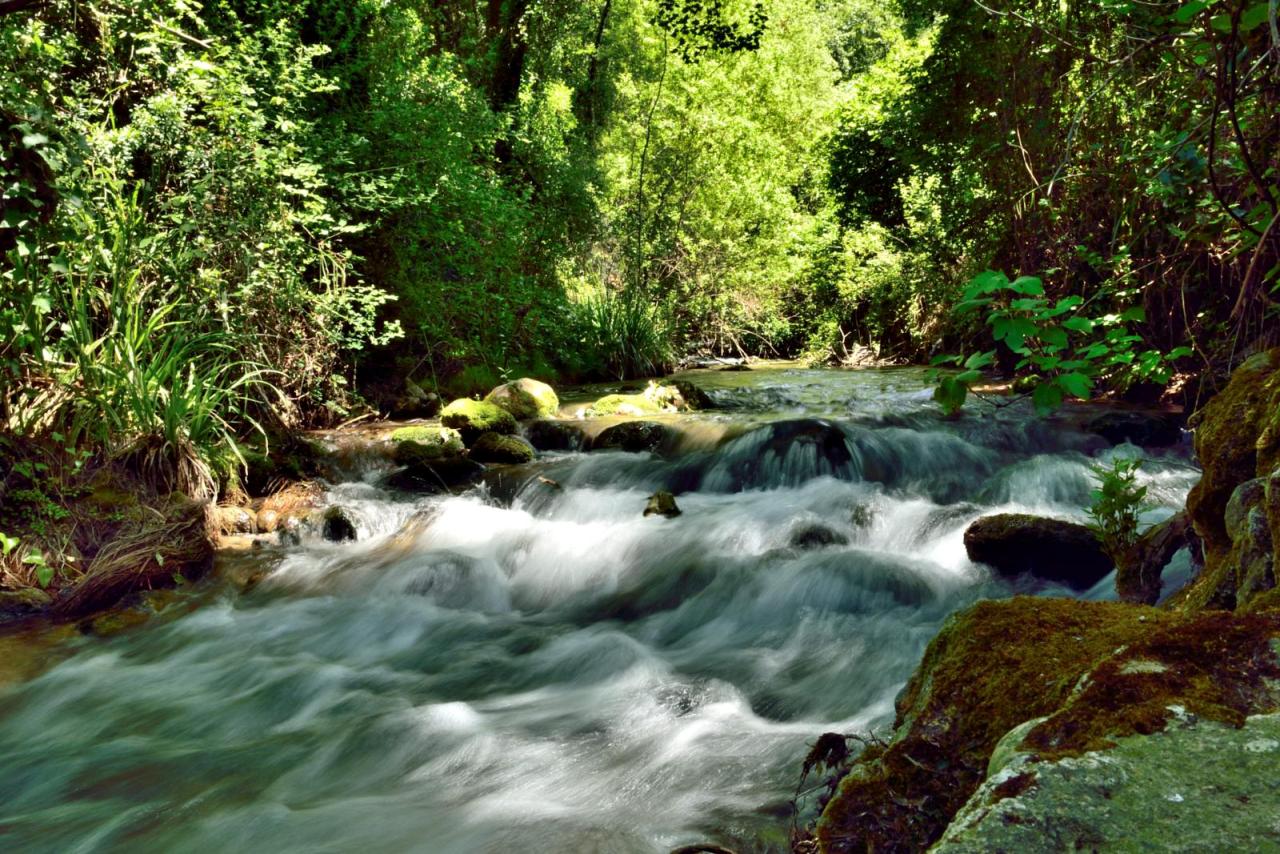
1140, 428
662, 503
547, 435
816, 536
737, 366
439, 475
338, 526
496, 448
1138, 577
23, 602
634, 436
694, 397
1016, 543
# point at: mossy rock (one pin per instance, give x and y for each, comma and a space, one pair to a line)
472, 418
526, 399
1052, 549
1237, 439
656, 399
496, 448
1086, 673
422, 443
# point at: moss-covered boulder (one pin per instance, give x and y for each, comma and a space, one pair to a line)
472, 418
1052, 678
656, 399
1237, 439
1052, 549
415, 402
497, 448
526, 399
635, 436
418, 444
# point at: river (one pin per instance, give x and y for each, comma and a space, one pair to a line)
536, 666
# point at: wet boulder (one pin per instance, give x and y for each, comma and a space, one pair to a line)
471, 418
694, 397
526, 399
496, 448
1144, 429
1051, 549
634, 436
231, 519
437, 475
662, 503
337, 525
548, 435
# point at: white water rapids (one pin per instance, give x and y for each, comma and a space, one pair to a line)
526, 668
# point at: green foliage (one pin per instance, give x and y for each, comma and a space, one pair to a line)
619, 335
1115, 507
1065, 348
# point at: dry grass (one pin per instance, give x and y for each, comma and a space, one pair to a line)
145, 556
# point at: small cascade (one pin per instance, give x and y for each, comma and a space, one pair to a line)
534, 663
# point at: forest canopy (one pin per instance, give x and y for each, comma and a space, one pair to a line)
269, 208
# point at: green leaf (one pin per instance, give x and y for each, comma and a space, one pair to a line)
1047, 397
1136, 314
7, 544
1078, 324
44, 574
1190, 10
1076, 385
1254, 16
1054, 337
34, 140
1030, 285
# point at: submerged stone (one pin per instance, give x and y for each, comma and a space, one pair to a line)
815, 536
1051, 549
437, 475
1140, 428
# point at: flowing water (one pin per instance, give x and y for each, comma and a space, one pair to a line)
541, 668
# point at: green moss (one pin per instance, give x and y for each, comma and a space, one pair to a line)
526, 399
445, 440
496, 448
1069, 662
654, 400
474, 417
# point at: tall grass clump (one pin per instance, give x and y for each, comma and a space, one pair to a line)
623, 335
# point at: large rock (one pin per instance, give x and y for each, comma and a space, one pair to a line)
656, 399
1016, 543
1237, 439
634, 436
420, 444
496, 448
415, 402
526, 399
1049, 678
438, 475
1214, 788
471, 418
548, 435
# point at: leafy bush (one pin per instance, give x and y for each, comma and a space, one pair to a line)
1115, 508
